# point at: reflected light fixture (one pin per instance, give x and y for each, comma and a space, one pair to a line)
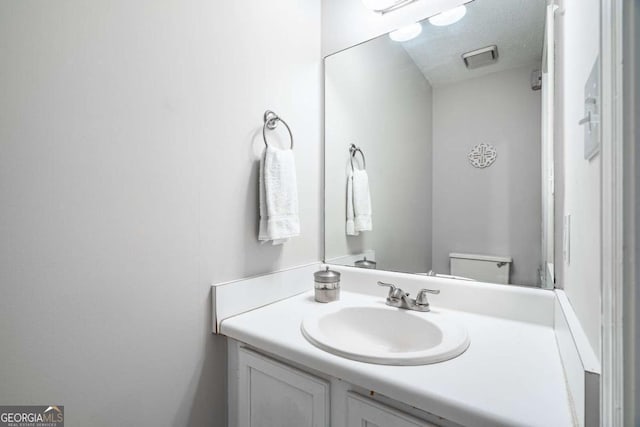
384, 6
448, 17
406, 33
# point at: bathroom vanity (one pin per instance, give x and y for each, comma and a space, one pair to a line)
450, 169
511, 373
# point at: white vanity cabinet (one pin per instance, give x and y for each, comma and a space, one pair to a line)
283, 377
272, 394
264, 392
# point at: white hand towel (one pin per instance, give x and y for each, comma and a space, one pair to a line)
278, 196
358, 203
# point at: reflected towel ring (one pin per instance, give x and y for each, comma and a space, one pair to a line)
354, 150
271, 120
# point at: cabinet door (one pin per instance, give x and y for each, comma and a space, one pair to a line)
363, 412
272, 394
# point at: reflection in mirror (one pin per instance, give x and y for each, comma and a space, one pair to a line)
458, 158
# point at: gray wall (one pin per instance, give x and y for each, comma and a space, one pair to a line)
128, 178
496, 210
377, 98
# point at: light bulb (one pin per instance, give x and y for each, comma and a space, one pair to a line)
448, 17
406, 33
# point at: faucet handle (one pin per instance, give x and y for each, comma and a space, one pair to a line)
391, 286
394, 292
421, 299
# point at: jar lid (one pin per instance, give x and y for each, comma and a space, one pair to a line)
326, 276
365, 263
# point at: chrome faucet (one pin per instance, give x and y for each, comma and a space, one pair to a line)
398, 298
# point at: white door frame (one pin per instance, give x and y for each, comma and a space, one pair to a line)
612, 149
547, 274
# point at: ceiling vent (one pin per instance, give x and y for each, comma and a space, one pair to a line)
481, 57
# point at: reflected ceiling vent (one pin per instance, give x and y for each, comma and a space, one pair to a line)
481, 57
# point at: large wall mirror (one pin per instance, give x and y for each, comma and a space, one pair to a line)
438, 149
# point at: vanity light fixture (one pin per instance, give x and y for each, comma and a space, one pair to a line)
406, 33
448, 17
385, 6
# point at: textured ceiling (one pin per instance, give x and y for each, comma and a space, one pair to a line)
515, 26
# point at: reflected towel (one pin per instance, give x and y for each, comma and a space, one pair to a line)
351, 227
358, 203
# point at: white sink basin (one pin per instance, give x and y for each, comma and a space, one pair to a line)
385, 335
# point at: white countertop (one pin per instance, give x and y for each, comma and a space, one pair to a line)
511, 374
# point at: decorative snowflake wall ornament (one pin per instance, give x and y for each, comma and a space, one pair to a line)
482, 155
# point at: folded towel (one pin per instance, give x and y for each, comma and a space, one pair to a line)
278, 196
358, 203
351, 227
362, 201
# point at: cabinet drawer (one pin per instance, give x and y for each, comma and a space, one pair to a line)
363, 412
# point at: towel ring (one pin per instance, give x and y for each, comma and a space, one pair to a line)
271, 120
355, 150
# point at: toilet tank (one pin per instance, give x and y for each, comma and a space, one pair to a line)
484, 268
